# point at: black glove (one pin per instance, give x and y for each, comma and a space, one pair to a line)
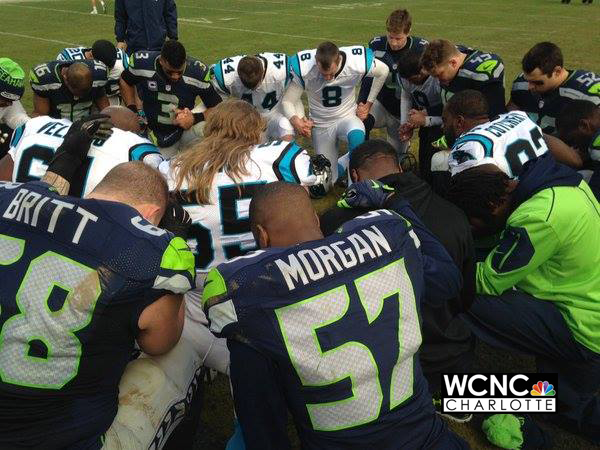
76, 144
176, 220
365, 194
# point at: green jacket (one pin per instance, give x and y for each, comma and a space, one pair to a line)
550, 248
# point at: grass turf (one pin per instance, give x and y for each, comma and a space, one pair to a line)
35, 31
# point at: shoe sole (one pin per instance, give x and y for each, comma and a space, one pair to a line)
454, 419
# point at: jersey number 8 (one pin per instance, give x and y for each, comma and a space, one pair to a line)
38, 345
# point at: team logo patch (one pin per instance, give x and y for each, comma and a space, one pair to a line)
168, 87
152, 85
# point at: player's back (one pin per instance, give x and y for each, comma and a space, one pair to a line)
267, 94
329, 101
47, 82
221, 229
34, 144
508, 142
75, 276
121, 63
339, 319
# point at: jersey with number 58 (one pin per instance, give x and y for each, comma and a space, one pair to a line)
221, 230
33, 146
337, 319
267, 94
507, 142
329, 101
75, 275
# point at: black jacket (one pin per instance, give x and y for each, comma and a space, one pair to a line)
445, 337
145, 24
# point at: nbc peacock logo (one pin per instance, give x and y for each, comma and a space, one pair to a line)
544, 389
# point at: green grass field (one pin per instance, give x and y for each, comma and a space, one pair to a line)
35, 31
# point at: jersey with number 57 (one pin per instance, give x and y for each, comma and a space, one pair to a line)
337, 319
221, 230
267, 95
160, 97
507, 142
121, 63
47, 82
329, 101
33, 146
75, 275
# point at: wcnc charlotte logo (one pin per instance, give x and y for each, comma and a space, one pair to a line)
499, 392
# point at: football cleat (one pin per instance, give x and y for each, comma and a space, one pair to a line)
320, 167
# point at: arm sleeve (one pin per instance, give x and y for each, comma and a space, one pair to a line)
258, 397
210, 97
170, 14
120, 20
525, 244
443, 280
379, 71
290, 99
405, 104
15, 115
432, 121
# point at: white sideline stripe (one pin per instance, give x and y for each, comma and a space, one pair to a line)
199, 23
346, 19
26, 36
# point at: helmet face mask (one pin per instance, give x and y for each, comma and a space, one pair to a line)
321, 169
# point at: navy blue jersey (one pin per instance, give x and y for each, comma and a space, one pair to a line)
544, 109
483, 72
47, 82
387, 96
114, 73
160, 97
75, 276
338, 319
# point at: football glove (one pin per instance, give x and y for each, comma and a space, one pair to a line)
176, 220
321, 168
365, 194
76, 144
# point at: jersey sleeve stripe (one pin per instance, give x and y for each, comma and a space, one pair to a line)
285, 167
140, 151
295, 68
487, 143
17, 135
288, 75
368, 59
218, 73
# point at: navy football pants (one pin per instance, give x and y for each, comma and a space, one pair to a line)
518, 321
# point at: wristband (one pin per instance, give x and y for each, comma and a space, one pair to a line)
198, 117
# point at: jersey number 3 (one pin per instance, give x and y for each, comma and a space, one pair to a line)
56, 298
301, 321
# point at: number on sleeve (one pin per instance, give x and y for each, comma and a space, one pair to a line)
305, 56
357, 51
38, 345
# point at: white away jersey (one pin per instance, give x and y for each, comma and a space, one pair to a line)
329, 101
33, 146
221, 230
508, 142
267, 94
112, 86
426, 96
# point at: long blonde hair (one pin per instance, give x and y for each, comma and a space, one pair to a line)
232, 128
